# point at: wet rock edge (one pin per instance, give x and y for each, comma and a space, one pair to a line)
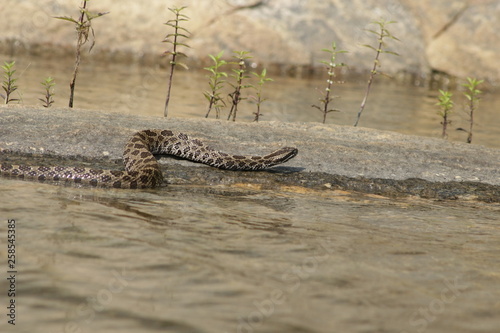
81, 137
281, 178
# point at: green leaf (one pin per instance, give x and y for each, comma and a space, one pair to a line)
66, 18
182, 54
183, 29
90, 16
182, 35
176, 10
370, 47
373, 32
214, 59
393, 37
391, 52
169, 35
182, 44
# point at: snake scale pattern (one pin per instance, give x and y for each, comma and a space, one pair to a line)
142, 170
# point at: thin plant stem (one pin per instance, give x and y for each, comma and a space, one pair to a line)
216, 83
79, 44
239, 75
472, 94
175, 23
169, 87
48, 99
83, 28
331, 66
9, 85
235, 97
381, 35
258, 92
369, 85
471, 122
446, 105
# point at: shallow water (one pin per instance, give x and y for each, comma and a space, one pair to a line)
141, 90
231, 259
236, 259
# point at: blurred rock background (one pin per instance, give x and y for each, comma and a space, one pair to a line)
456, 37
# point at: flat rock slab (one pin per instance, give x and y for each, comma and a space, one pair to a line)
329, 155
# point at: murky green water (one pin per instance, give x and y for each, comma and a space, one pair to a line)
142, 90
225, 259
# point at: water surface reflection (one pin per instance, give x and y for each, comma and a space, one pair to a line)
142, 90
224, 259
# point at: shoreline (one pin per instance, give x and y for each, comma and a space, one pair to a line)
331, 157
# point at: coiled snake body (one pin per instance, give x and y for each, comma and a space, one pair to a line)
141, 167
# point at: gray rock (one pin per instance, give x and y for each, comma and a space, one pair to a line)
457, 37
460, 36
329, 155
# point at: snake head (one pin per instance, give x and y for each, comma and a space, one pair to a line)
282, 155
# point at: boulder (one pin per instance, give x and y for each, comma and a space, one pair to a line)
457, 37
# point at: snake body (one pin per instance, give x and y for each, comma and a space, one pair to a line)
142, 170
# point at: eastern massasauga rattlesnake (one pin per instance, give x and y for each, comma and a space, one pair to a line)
141, 167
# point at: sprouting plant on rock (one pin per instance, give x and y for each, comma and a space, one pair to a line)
331, 66
216, 82
174, 40
9, 83
239, 75
382, 34
48, 99
472, 95
446, 105
83, 32
258, 92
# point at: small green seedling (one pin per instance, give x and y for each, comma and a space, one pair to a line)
174, 53
9, 84
48, 99
83, 30
331, 66
258, 92
446, 105
472, 95
382, 34
216, 82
